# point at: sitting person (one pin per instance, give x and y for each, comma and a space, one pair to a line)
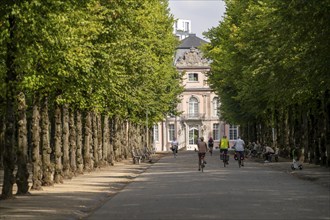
268, 152
254, 149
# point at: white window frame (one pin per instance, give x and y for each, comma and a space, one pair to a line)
171, 132
192, 77
233, 132
193, 135
216, 131
215, 107
156, 133
193, 106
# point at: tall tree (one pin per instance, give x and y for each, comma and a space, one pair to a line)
267, 62
22, 174
10, 100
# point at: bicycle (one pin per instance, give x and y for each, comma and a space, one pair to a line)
202, 161
174, 150
211, 150
240, 158
224, 157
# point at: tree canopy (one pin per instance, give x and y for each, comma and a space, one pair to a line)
114, 57
269, 53
271, 66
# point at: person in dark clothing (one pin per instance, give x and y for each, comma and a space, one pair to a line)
210, 144
202, 149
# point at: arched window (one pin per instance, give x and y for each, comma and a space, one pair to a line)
193, 135
193, 107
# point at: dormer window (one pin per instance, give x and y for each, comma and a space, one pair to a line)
193, 77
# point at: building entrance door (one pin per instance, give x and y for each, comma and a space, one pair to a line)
193, 138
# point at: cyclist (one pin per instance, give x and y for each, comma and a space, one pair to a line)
202, 149
239, 148
210, 143
224, 145
174, 146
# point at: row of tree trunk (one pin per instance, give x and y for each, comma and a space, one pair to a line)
58, 143
296, 128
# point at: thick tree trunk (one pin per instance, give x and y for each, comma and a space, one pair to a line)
327, 124
321, 130
91, 142
124, 139
47, 166
10, 121
139, 137
311, 154
110, 153
80, 160
314, 151
99, 139
323, 133
36, 160
88, 166
2, 138
65, 138
298, 134
95, 141
115, 142
280, 131
58, 176
291, 131
127, 130
105, 143
73, 143
305, 136
22, 175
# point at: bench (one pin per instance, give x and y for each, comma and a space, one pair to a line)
139, 155
146, 155
136, 157
150, 152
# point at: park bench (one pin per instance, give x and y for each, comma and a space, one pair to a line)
150, 152
139, 155
136, 157
144, 154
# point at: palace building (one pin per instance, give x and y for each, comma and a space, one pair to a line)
199, 104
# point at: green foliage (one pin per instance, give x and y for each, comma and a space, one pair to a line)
113, 57
268, 54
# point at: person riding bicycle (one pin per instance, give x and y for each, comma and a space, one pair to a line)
239, 148
210, 143
174, 146
224, 145
202, 149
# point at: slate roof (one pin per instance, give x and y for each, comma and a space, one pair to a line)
191, 41
186, 45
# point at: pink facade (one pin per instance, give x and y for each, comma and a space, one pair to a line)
199, 107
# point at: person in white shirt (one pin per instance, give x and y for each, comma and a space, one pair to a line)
268, 151
239, 148
174, 146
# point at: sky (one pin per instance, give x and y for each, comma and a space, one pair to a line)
204, 14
